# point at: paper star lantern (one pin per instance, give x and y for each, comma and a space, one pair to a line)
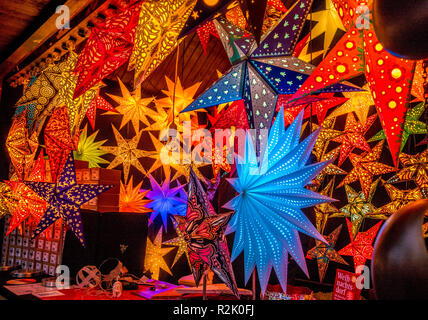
412, 125
388, 78
126, 153
204, 33
268, 212
236, 16
211, 186
204, 233
361, 248
7, 201
418, 82
358, 102
89, 150
331, 169
98, 103
366, 166
132, 107
324, 253
131, 199
154, 260
64, 199
324, 211
347, 10
165, 201
220, 160
159, 25
233, 116
326, 134
58, 141
399, 199
353, 136
181, 244
108, 47
415, 169
327, 22
359, 207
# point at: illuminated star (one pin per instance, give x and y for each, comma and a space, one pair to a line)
154, 260
331, 169
359, 207
399, 198
366, 166
180, 243
131, 199
324, 253
325, 210
326, 134
89, 150
132, 107
126, 153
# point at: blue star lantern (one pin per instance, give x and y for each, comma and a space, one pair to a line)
64, 199
268, 212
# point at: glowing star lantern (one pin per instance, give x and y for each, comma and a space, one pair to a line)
64, 199
236, 16
388, 77
324, 253
17, 144
358, 102
349, 13
205, 32
399, 199
126, 153
7, 202
331, 169
325, 210
268, 212
418, 82
165, 201
353, 136
131, 199
415, 168
132, 107
366, 166
233, 116
181, 244
58, 141
327, 22
159, 25
108, 47
154, 260
361, 248
98, 103
89, 150
412, 125
326, 135
76, 107
204, 233
359, 207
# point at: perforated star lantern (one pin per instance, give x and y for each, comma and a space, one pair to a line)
89, 150
361, 248
181, 244
268, 212
205, 32
126, 153
399, 199
415, 168
165, 200
131, 199
98, 103
132, 107
7, 201
418, 82
324, 211
366, 166
347, 10
64, 199
159, 25
324, 253
331, 169
204, 233
154, 259
108, 47
359, 207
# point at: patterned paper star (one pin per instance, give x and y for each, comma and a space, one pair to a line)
331, 169
418, 82
126, 153
325, 210
98, 103
415, 168
366, 166
181, 244
64, 199
360, 248
353, 136
204, 33
132, 107
131, 199
89, 150
154, 260
324, 253
399, 198
359, 207
327, 133
8, 201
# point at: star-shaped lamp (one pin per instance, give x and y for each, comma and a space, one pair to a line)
64, 199
154, 260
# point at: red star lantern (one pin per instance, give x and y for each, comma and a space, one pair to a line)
361, 248
234, 116
347, 10
205, 32
98, 103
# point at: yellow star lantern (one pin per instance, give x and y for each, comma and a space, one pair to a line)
132, 199
154, 260
159, 25
359, 102
399, 198
126, 153
325, 210
180, 243
415, 169
132, 107
8, 202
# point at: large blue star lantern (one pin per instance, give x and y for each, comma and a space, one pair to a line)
268, 214
166, 201
64, 199
260, 73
